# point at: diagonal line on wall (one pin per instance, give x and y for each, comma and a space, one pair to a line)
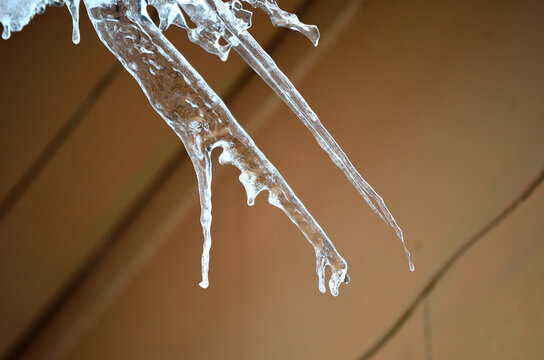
389, 334
41, 161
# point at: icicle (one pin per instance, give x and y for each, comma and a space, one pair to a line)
16, 14
203, 167
73, 7
203, 122
6, 33
263, 65
198, 115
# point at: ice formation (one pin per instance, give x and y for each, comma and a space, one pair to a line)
197, 115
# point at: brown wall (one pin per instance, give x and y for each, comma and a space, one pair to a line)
438, 103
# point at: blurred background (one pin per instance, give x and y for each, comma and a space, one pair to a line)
439, 104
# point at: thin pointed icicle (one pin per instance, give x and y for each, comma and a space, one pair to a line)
202, 121
203, 166
73, 8
6, 32
267, 69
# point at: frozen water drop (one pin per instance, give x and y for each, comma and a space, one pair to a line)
6, 33
73, 8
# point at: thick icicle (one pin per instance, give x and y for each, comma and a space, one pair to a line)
203, 122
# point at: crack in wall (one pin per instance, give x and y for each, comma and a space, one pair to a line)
443, 270
427, 335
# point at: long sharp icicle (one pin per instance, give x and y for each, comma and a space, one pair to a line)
267, 69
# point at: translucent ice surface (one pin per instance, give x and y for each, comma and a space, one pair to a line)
197, 115
15, 14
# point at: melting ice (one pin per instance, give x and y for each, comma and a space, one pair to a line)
15, 14
197, 115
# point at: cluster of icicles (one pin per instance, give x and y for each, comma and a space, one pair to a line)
199, 117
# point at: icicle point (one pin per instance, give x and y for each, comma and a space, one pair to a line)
265, 67
6, 33
205, 260
201, 158
401, 237
321, 263
410, 263
73, 8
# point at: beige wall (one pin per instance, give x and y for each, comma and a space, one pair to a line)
438, 103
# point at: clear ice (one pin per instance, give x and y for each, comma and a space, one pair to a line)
197, 114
